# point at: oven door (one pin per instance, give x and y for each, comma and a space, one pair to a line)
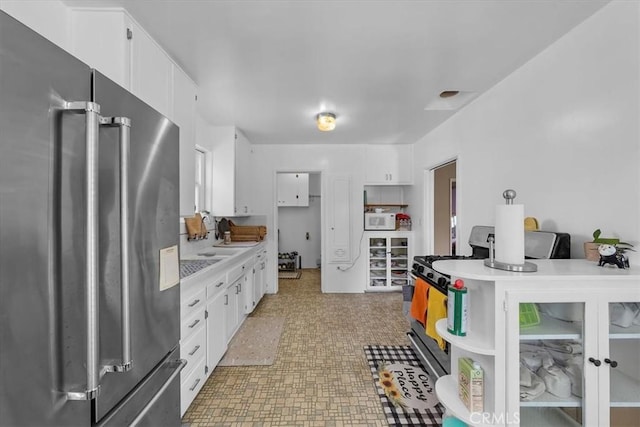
436, 362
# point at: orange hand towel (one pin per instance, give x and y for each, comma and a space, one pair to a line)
436, 310
419, 301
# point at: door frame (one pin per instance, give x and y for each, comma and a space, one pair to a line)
276, 219
429, 203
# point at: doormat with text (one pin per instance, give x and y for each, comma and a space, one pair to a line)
406, 391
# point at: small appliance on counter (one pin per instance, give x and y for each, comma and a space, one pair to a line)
379, 221
538, 245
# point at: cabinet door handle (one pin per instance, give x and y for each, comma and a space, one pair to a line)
226, 300
194, 303
195, 384
219, 284
192, 352
613, 363
595, 361
191, 326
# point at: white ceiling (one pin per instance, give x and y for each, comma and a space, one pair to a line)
270, 66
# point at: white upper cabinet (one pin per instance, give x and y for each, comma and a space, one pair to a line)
243, 176
293, 189
99, 38
231, 183
388, 164
151, 71
110, 41
184, 115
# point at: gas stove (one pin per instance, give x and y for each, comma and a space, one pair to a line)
538, 245
423, 268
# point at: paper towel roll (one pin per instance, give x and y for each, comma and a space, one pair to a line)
510, 234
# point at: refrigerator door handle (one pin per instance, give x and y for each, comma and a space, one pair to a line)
124, 126
177, 365
92, 120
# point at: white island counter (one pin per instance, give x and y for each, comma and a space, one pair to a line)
575, 301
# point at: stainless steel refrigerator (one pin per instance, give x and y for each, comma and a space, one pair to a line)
89, 301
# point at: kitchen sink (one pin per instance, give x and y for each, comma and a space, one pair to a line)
191, 266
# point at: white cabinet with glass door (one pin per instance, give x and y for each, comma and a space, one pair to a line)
389, 260
546, 342
588, 336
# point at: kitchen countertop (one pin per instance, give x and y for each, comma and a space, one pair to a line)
214, 257
548, 269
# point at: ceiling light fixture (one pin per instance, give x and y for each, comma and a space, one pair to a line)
326, 121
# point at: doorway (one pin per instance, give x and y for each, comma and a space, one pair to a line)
299, 226
444, 209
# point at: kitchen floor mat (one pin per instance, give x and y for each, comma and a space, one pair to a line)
406, 392
289, 274
256, 343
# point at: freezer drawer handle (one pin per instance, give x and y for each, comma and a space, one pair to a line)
91, 110
124, 126
178, 365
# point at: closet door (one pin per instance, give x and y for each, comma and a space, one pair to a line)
339, 219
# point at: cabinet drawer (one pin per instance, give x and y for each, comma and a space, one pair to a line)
216, 286
237, 271
193, 349
191, 303
191, 385
191, 324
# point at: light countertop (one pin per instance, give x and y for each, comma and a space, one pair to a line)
548, 269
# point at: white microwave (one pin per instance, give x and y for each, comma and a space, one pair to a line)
379, 221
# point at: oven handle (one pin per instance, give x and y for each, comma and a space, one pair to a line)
415, 345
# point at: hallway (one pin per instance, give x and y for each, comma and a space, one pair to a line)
320, 376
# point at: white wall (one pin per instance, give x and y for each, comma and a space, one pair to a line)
295, 222
562, 131
329, 160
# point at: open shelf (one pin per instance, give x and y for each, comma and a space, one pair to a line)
471, 343
447, 392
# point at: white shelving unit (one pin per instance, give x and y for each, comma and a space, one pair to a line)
389, 260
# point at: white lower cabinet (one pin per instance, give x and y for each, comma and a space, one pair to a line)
192, 382
216, 329
192, 342
231, 309
559, 347
212, 308
604, 364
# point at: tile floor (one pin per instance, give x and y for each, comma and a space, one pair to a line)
320, 376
